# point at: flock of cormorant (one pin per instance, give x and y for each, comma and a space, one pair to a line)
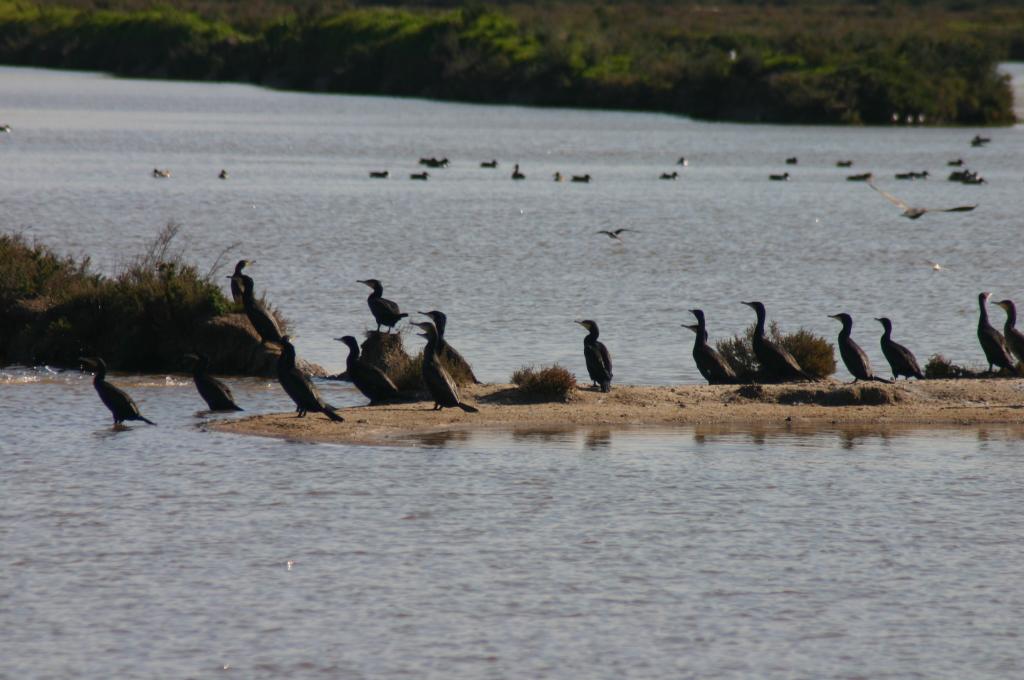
1002, 351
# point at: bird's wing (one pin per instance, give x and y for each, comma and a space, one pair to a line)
892, 199
606, 358
962, 208
619, 231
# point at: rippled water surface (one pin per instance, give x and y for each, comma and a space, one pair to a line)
172, 551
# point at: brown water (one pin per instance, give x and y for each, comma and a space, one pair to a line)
602, 553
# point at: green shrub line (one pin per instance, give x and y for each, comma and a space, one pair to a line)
55, 309
797, 62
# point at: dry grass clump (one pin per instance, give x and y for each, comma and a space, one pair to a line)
814, 353
941, 368
551, 383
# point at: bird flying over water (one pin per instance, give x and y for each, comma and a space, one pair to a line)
615, 233
912, 212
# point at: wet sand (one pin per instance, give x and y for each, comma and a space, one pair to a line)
803, 405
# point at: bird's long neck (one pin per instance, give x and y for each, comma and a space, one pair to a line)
886, 333
983, 318
700, 337
592, 336
440, 325
759, 329
378, 291
847, 329
1011, 316
287, 359
430, 351
100, 375
353, 355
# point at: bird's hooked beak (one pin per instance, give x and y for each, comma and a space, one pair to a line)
879, 320
692, 326
748, 304
834, 316
580, 322
1004, 305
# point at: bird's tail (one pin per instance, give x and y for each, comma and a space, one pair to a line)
606, 386
332, 414
469, 409
146, 420
402, 315
880, 379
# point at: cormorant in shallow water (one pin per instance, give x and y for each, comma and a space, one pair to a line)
450, 355
715, 369
992, 340
901, 359
120, 404
1014, 338
368, 379
776, 363
599, 361
384, 311
853, 356
298, 385
440, 385
216, 394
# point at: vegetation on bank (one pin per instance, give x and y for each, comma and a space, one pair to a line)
549, 383
54, 309
815, 354
839, 62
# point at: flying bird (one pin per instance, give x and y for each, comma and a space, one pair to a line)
912, 212
615, 234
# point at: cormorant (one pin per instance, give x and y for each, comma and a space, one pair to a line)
516, 174
599, 362
223, 174
120, 404
259, 316
379, 174
446, 351
236, 281
901, 360
493, 163
420, 175
991, 340
216, 394
792, 160
784, 177
440, 385
844, 164
368, 379
669, 175
1014, 338
299, 387
776, 363
914, 213
853, 356
384, 311
715, 369
581, 178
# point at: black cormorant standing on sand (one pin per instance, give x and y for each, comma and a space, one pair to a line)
599, 362
259, 316
992, 340
853, 356
1014, 338
216, 394
446, 351
901, 360
776, 363
715, 369
236, 281
368, 379
120, 404
298, 385
384, 311
440, 385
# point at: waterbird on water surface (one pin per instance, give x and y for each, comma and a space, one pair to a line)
914, 213
216, 394
121, 406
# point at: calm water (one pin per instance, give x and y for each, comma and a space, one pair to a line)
650, 553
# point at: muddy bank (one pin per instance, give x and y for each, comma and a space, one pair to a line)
933, 402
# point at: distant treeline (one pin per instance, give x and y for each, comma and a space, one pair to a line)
833, 62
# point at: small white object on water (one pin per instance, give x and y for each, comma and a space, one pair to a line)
290, 564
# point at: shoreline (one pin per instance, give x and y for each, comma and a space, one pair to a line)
800, 406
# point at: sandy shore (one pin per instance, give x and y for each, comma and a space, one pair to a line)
826, 404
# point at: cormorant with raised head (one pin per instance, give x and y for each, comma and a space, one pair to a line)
368, 379
715, 369
1014, 338
450, 355
236, 281
440, 385
599, 361
216, 394
120, 404
385, 312
298, 385
901, 360
991, 340
853, 356
776, 363
259, 316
